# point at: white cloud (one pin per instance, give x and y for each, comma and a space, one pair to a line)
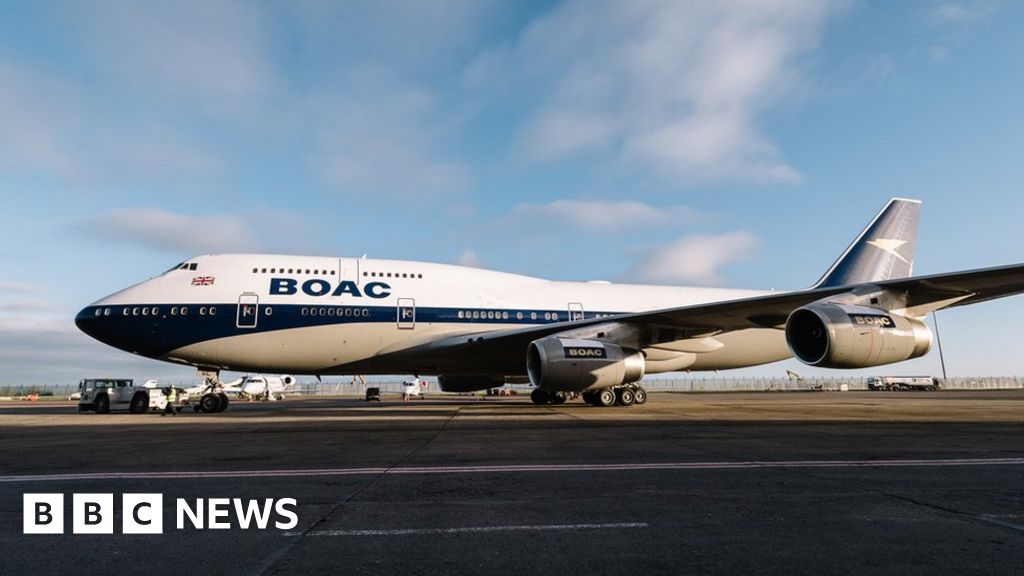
154, 72
379, 137
26, 306
965, 11
20, 287
192, 234
597, 216
695, 259
950, 12
42, 352
50, 127
469, 258
882, 66
669, 86
35, 114
379, 113
414, 37
937, 53
210, 54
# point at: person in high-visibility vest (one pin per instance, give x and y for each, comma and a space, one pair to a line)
172, 397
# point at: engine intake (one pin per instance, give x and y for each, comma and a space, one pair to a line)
572, 365
845, 336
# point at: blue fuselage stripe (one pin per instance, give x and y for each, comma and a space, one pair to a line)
165, 328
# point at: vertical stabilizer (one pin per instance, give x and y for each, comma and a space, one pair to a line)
884, 250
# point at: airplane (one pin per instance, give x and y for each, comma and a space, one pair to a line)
260, 387
477, 329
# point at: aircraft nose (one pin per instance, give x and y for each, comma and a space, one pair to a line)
88, 321
113, 326
101, 323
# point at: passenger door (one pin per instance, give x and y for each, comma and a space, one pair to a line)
248, 310
575, 311
406, 313
348, 269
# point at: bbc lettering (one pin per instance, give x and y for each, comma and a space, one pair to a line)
93, 514
144, 514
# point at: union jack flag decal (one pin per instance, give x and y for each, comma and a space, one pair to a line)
203, 281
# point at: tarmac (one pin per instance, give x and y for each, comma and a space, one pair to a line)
741, 483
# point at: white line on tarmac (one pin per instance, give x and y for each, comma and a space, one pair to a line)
750, 464
420, 531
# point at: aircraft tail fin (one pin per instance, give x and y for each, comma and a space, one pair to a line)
884, 250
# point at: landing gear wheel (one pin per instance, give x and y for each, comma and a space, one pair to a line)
559, 398
624, 397
540, 396
140, 403
606, 397
640, 395
103, 404
209, 402
223, 402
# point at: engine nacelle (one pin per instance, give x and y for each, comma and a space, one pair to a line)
845, 336
572, 365
470, 382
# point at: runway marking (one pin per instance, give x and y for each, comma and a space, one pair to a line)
470, 529
517, 468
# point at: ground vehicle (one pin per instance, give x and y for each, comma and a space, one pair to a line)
183, 399
373, 394
904, 383
100, 394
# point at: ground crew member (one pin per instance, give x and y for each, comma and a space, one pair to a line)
172, 397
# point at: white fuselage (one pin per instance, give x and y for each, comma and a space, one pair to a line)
317, 315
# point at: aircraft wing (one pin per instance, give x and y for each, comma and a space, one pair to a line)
505, 350
973, 286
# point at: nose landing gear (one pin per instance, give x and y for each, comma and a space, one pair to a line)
213, 399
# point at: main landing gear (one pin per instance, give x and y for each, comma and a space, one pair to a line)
213, 399
625, 395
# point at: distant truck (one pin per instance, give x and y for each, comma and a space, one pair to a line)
102, 394
904, 383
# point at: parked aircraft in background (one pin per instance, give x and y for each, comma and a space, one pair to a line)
479, 329
260, 387
250, 387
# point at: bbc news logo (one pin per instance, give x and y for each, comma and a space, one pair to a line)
144, 513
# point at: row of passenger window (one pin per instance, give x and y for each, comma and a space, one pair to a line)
391, 274
504, 315
339, 311
316, 272
155, 311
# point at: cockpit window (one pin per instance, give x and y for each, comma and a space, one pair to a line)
184, 266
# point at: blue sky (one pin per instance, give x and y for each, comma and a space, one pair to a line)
734, 143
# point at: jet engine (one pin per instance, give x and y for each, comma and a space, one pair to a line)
845, 336
573, 365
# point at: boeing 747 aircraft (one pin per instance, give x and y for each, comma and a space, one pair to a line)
478, 329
